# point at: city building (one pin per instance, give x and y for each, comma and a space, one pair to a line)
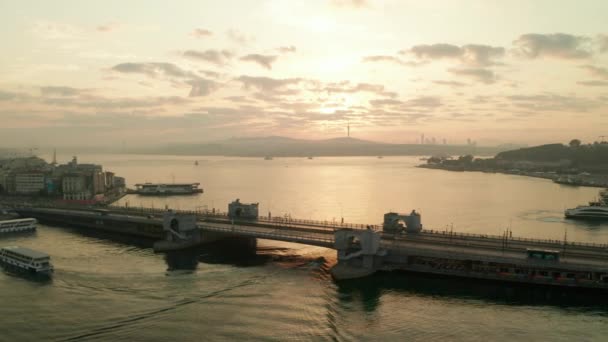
28, 183
75, 187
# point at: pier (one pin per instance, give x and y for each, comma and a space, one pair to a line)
399, 243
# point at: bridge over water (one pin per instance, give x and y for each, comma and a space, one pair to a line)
362, 249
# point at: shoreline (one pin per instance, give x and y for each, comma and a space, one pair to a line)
597, 181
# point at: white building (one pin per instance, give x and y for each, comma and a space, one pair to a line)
75, 187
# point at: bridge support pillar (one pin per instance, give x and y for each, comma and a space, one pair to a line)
180, 232
359, 253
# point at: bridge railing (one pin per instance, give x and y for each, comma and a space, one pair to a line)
160, 211
319, 223
275, 234
508, 238
288, 220
265, 219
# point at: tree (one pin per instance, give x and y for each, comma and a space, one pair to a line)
575, 143
468, 159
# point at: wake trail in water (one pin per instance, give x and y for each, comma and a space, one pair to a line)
122, 324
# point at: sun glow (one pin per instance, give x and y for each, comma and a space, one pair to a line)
321, 24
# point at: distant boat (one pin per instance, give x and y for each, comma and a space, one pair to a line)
196, 162
310, 157
268, 158
380, 157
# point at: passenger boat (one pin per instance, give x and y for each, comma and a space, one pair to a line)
593, 211
17, 225
597, 210
163, 189
26, 260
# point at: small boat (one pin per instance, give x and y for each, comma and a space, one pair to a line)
268, 158
380, 157
310, 157
17, 225
26, 260
196, 162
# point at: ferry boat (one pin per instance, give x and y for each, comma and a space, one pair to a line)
17, 225
163, 189
597, 210
593, 211
26, 260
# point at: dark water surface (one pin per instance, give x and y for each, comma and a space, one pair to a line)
110, 289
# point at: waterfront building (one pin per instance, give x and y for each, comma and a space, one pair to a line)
30, 182
75, 187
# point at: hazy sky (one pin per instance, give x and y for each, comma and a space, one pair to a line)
104, 72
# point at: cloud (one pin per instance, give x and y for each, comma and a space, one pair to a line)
596, 71
450, 83
348, 87
435, 51
60, 96
10, 96
107, 27
210, 73
152, 69
477, 74
424, 101
286, 49
201, 33
557, 45
267, 84
263, 60
593, 83
217, 57
602, 42
552, 102
202, 87
471, 54
385, 102
60, 91
481, 55
382, 58
239, 37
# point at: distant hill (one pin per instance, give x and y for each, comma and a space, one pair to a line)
590, 154
278, 146
545, 153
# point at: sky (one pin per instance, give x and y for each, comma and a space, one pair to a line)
108, 73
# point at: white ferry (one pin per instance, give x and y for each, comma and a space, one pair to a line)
26, 260
17, 225
593, 211
163, 189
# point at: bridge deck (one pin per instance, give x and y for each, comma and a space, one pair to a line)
426, 243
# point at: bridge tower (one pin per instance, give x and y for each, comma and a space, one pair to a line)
359, 253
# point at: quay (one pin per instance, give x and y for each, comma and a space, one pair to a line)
399, 243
